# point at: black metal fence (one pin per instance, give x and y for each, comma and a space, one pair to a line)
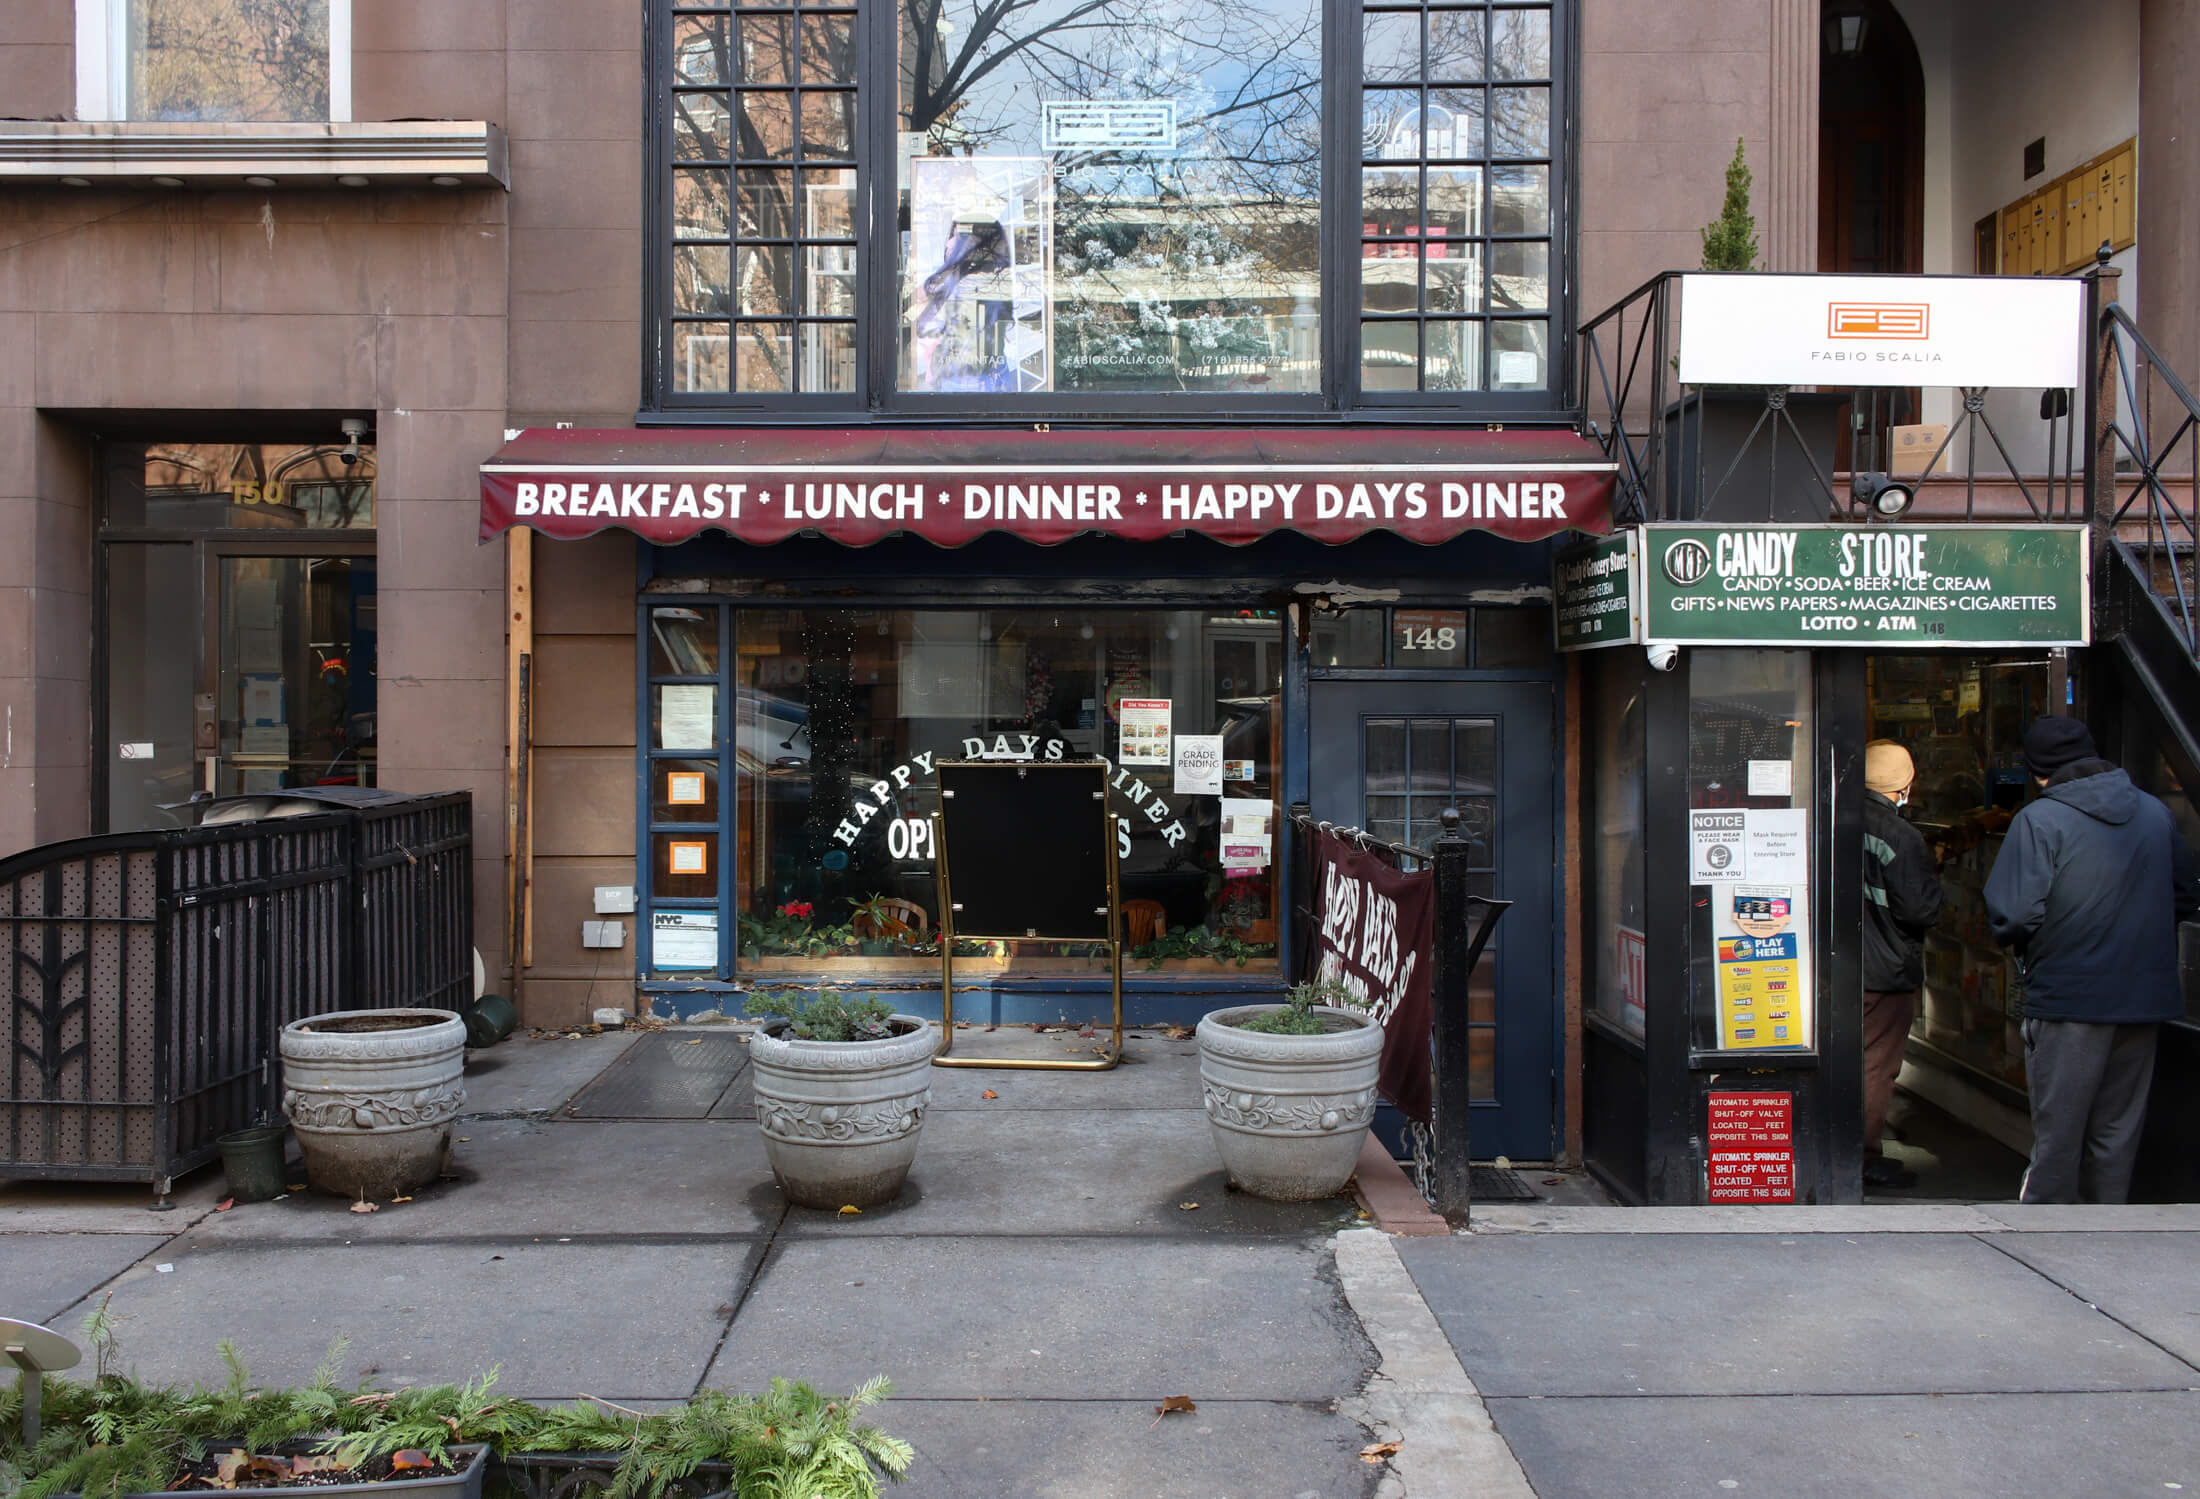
144, 977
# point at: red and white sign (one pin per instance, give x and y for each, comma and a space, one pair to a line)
1751, 1140
2010, 332
950, 486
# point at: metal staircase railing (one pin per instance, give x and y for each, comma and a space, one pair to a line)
2130, 373
1652, 426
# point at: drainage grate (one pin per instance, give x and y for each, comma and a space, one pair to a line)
671, 1075
1496, 1184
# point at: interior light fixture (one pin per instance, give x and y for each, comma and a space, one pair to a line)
167, 182
446, 180
350, 179
76, 182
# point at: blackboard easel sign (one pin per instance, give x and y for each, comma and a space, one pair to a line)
1033, 850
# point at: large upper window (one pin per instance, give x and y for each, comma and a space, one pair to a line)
237, 60
1121, 198
1080, 205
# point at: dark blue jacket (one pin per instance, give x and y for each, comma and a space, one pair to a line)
2089, 887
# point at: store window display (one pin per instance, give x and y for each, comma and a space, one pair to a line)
840, 717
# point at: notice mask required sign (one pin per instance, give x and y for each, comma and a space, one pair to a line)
1880, 587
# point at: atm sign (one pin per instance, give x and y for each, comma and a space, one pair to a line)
1878, 320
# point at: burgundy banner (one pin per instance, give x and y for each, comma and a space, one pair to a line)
1377, 939
858, 486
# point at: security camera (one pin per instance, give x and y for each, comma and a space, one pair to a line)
1663, 657
354, 430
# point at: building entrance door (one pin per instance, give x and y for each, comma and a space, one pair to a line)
1389, 757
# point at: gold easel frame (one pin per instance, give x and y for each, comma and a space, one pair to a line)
949, 935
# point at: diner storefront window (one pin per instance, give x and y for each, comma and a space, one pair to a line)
1061, 202
838, 718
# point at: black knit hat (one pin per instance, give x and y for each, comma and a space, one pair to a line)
2052, 743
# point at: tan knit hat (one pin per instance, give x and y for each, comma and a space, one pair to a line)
1887, 767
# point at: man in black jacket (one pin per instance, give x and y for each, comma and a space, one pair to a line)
1902, 899
2090, 884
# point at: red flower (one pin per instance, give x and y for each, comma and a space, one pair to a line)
795, 908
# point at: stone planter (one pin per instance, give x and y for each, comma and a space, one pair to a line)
840, 1118
1289, 1112
471, 1459
371, 1095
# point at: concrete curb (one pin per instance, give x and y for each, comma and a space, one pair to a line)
1875, 1218
1419, 1396
1389, 1196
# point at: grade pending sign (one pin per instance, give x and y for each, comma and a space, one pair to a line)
1879, 587
1597, 591
2010, 332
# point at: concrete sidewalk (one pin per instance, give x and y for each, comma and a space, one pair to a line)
1995, 1350
1067, 1255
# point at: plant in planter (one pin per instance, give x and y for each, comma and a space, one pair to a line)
1290, 1090
841, 1089
115, 1438
879, 927
784, 931
371, 1095
1200, 942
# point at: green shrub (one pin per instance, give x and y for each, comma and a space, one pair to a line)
115, 1435
824, 1016
1296, 1017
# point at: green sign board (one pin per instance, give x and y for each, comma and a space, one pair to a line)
1597, 588
1883, 587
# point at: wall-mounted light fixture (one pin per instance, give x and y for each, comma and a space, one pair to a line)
1846, 31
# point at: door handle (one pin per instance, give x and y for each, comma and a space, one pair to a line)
213, 766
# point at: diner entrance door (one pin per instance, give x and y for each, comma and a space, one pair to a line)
1390, 757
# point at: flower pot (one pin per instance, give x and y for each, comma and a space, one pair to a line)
252, 1161
371, 1095
1289, 1112
840, 1118
471, 1459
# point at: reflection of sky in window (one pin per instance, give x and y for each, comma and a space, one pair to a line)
1244, 75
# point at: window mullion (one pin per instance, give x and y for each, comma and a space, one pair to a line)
339, 61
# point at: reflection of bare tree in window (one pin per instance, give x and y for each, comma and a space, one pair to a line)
1180, 264
228, 59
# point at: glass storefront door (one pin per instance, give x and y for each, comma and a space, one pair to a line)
293, 673
237, 650
1390, 757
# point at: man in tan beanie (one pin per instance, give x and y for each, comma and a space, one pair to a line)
1902, 899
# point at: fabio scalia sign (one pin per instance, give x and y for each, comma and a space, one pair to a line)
2005, 331
1883, 587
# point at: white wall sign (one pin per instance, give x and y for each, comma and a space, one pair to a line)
1777, 844
2011, 332
683, 939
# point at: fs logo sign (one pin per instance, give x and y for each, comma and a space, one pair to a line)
1687, 562
1878, 320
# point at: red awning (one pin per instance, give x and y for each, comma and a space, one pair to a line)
951, 485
